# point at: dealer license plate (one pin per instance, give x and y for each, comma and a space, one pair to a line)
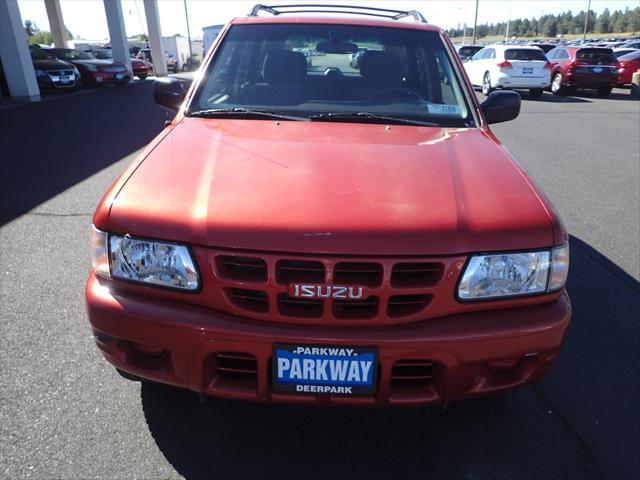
527, 70
333, 370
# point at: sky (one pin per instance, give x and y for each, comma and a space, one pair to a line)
86, 18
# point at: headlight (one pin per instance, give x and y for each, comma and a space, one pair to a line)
513, 274
91, 68
40, 73
156, 263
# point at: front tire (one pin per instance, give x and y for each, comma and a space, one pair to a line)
604, 91
486, 84
142, 77
556, 85
535, 92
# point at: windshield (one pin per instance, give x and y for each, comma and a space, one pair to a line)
103, 54
309, 70
72, 55
40, 54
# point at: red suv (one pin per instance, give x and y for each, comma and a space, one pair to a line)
329, 233
583, 67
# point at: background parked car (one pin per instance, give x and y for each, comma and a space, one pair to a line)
630, 44
545, 47
465, 52
509, 66
628, 64
587, 67
172, 63
141, 68
618, 52
94, 71
52, 73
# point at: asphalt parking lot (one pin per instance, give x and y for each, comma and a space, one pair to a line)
65, 413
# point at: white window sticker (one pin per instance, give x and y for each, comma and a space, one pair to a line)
440, 109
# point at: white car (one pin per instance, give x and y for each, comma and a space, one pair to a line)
510, 66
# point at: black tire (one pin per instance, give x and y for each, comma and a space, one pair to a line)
604, 91
486, 84
535, 92
556, 86
142, 77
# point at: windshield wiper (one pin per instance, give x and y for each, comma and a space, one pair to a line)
359, 116
242, 113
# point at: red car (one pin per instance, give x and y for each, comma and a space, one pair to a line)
94, 71
629, 64
584, 68
329, 234
140, 68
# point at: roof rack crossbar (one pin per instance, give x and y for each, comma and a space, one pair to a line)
349, 9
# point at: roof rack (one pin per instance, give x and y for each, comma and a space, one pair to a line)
349, 9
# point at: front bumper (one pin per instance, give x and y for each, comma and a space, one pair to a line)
472, 354
101, 78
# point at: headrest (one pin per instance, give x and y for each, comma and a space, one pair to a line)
381, 69
284, 66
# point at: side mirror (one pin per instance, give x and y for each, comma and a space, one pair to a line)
501, 106
169, 92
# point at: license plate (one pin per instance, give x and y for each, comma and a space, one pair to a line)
65, 79
333, 370
527, 71
597, 70
119, 76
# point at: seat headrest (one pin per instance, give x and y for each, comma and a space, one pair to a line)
381, 69
284, 66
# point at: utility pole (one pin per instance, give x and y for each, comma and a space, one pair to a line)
475, 23
186, 16
586, 21
506, 35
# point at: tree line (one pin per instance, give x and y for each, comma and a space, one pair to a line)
627, 21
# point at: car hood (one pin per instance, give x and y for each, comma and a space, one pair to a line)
46, 64
342, 188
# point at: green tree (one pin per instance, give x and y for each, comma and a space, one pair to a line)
550, 27
633, 25
40, 37
603, 25
620, 24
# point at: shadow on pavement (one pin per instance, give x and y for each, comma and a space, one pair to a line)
48, 147
580, 422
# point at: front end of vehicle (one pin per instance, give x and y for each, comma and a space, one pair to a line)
110, 73
64, 77
427, 346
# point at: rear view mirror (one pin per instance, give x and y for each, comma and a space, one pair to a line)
169, 92
336, 47
501, 106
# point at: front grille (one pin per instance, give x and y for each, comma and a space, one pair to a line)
300, 307
235, 365
299, 271
355, 273
407, 275
412, 373
404, 305
242, 268
251, 300
258, 286
59, 73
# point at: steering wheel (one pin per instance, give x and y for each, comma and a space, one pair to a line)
389, 92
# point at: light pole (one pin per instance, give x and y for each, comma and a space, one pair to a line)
475, 23
586, 21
